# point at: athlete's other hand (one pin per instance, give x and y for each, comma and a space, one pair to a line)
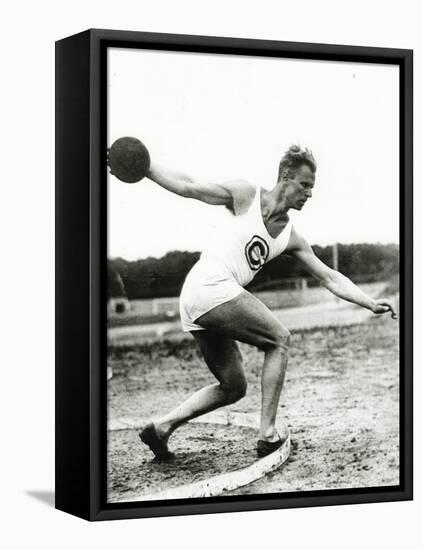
384, 306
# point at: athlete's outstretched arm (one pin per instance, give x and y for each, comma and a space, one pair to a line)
333, 280
185, 186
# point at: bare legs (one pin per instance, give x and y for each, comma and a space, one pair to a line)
248, 320
272, 378
224, 359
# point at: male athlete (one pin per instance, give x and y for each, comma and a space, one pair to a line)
219, 312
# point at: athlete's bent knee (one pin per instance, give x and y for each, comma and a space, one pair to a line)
279, 340
235, 392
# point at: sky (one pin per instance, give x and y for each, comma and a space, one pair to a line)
219, 117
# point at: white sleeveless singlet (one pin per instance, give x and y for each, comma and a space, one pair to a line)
238, 251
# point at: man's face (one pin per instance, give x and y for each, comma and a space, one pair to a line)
298, 187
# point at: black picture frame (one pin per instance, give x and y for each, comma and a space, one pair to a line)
81, 267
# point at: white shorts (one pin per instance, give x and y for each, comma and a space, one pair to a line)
205, 288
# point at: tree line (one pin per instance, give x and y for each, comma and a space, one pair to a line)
164, 277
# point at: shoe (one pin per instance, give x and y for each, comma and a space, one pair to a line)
149, 436
264, 448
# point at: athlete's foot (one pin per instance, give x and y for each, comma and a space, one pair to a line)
270, 435
156, 438
264, 448
163, 430
270, 440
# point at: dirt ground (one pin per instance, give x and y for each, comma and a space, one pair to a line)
341, 400
198, 449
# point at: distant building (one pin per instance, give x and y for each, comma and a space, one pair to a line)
166, 306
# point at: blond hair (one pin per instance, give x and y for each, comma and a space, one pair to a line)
293, 159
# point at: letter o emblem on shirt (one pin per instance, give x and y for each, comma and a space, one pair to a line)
256, 252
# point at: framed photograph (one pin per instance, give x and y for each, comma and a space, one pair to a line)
234, 274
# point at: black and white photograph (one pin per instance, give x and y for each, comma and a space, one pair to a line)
209, 249
253, 289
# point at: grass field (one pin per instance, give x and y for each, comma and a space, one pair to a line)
341, 399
